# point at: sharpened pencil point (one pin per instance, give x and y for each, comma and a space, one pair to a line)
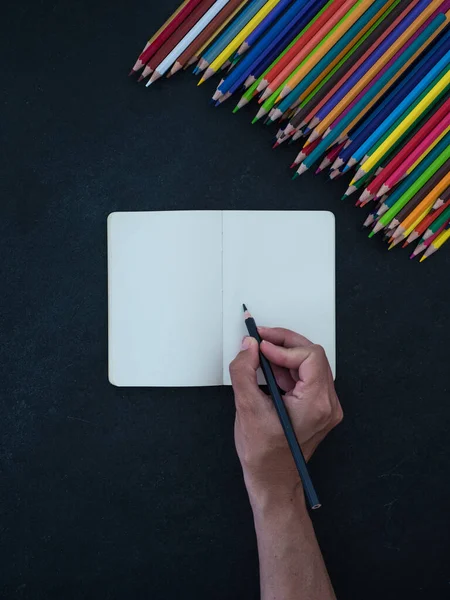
296, 174
244, 308
371, 234
423, 258
132, 72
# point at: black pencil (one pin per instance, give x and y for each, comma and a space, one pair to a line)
283, 415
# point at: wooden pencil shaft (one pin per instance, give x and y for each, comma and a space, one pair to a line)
285, 420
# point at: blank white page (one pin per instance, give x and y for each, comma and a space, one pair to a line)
165, 298
281, 264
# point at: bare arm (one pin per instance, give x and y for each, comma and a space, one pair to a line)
291, 564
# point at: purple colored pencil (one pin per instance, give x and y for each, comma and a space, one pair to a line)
370, 62
408, 43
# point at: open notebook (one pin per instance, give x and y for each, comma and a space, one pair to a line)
177, 281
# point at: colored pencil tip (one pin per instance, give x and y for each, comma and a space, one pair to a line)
202, 80
132, 72
296, 174
235, 109
255, 120
344, 197
371, 234
244, 307
423, 258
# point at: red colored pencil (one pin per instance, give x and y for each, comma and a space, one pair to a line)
376, 183
301, 42
172, 26
176, 37
426, 222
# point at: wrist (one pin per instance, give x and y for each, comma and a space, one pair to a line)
285, 495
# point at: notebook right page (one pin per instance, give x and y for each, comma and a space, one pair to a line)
281, 264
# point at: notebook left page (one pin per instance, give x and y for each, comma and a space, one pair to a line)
165, 298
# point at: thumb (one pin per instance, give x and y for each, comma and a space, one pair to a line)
243, 369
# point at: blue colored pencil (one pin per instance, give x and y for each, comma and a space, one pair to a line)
290, 24
362, 132
327, 59
264, 25
427, 81
424, 38
369, 63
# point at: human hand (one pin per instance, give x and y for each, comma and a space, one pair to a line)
303, 373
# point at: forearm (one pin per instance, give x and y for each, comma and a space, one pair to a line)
291, 564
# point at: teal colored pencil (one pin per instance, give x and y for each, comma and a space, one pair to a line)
421, 41
229, 34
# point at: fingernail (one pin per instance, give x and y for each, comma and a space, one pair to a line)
246, 342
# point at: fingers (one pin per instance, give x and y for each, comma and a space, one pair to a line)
309, 361
243, 372
283, 337
283, 378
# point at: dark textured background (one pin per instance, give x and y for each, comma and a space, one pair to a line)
113, 493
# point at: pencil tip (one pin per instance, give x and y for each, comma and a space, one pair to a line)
296, 174
244, 307
423, 258
132, 72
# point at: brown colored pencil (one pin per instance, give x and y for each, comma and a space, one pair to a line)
424, 191
229, 10
176, 37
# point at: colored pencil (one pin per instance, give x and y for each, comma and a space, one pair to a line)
389, 216
228, 51
412, 177
421, 228
292, 21
167, 32
263, 26
314, 66
422, 40
227, 12
230, 33
438, 243
378, 59
323, 24
356, 54
365, 83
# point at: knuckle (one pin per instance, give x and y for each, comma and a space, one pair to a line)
338, 416
318, 351
322, 413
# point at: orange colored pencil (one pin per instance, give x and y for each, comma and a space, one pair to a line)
316, 32
366, 79
364, 57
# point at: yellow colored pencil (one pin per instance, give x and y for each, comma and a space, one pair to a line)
333, 39
429, 149
237, 41
423, 207
443, 237
405, 124
365, 80
200, 51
